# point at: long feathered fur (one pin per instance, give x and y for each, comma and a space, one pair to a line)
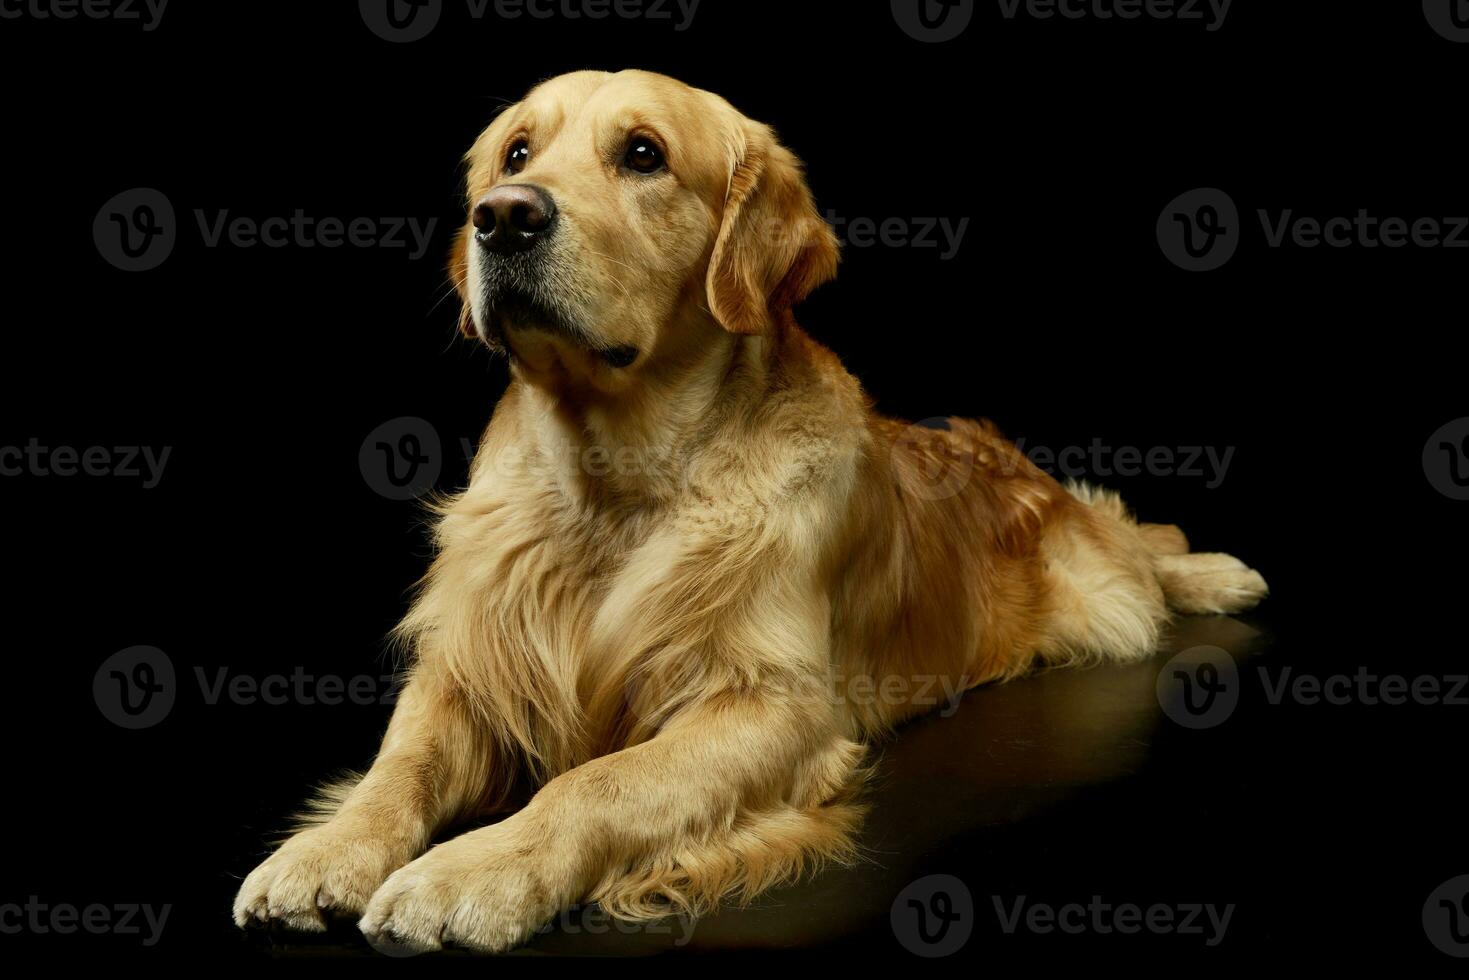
666, 657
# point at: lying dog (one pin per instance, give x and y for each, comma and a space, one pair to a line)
686, 534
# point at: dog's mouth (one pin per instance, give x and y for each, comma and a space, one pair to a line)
510, 307
513, 308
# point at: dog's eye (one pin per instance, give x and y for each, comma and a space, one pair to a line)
519, 153
643, 156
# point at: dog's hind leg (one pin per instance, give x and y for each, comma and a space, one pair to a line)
1114, 581
1163, 539
1106, 604
1191, 582
1208, 583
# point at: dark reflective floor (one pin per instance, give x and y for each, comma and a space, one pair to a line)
1058, 785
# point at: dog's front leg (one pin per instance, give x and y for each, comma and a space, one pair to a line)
433, 766
684, 791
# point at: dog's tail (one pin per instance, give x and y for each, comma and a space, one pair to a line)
1200, 582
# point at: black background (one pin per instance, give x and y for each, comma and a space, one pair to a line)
264, 550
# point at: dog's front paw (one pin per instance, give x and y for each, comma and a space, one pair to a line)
319, 871
477, 891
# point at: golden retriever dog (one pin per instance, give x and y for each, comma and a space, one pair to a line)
687, 546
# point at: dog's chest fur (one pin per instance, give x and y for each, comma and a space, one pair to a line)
536, 605
578, 617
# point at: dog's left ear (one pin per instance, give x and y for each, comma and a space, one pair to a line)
773, 247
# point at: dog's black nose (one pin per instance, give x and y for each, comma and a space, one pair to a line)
512, 217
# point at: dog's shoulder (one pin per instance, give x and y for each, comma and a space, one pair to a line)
803, 436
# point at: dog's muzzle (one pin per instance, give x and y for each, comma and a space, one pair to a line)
519, 279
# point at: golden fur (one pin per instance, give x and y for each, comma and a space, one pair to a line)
679, 596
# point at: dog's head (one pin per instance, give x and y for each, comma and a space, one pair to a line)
617, 221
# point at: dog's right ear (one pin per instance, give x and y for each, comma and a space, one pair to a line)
773, 247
